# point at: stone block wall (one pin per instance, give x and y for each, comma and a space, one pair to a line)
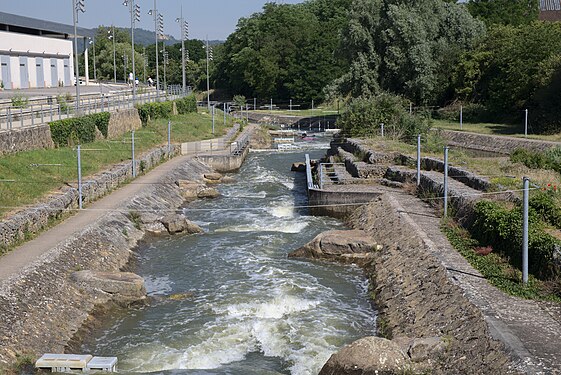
122, 121
28, 138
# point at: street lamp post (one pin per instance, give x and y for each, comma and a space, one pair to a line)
134, 10
92, 42
184, 28
125, 65
77, 6
112, 36
159, 30
209, 57
165, 55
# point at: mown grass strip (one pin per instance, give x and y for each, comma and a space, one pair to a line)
26, 177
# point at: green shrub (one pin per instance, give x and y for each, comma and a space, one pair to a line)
472, 112
501, 228
75, 130
187, 104
101, 121
152, 111
546, 207
19, 101
364, 116
550, 159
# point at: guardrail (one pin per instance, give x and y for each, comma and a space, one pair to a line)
38, 114
309, 177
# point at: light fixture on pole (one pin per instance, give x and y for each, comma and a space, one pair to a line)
209, 57
134, 10
77, 6
158, 30
112, 36
92, 42
184, 28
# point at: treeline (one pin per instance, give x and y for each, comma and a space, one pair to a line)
492, 56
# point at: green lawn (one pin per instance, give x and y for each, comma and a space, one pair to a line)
26, 177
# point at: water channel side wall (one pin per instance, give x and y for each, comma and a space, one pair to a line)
417, 298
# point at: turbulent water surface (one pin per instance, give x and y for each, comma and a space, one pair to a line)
252, 310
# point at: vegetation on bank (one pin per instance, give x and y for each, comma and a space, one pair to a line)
31, 175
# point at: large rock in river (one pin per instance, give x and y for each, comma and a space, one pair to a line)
347, 246
124, 287
177, 223
368, 356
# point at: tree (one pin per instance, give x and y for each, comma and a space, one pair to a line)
406, 46
504, 12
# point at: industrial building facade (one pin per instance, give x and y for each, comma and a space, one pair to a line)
36, 53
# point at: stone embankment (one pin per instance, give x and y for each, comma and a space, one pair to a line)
426, 322
498, 144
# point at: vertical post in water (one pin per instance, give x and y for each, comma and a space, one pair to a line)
79, 177
418, 160
446, 181
525, 231
169, 139
526, 123
133, 161
461, 117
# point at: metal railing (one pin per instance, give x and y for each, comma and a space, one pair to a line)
37, 114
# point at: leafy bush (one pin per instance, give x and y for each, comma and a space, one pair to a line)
19, 101
154, 111
78, 129
187, 104
501, 228
472, 112
364, 116
546, 207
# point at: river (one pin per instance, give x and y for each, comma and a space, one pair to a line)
240, 306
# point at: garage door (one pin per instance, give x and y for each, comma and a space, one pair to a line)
6, 72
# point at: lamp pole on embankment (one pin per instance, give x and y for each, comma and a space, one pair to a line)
77, 6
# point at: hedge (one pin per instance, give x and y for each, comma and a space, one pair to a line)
501, 228
79, 129
152, 111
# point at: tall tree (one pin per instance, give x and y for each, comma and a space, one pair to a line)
505, 12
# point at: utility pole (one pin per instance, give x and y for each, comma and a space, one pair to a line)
184, 28
209, 57
134, 10
159, 30
112, 36
77, 6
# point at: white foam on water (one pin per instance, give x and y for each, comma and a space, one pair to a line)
262, 227
288, 184
276, 308
260, 195
282, 211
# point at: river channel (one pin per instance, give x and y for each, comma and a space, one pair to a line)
240, 306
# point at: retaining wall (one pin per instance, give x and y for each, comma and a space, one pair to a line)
122, 121
29, 138
499, 144
224, 163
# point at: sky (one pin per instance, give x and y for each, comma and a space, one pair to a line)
215, 18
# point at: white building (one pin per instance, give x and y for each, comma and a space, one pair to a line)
36, 53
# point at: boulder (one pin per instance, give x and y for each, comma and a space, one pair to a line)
348, 246
213, 176
155, 228
207, 192
125, 287
298, 167
189, 189
368, 356
177, 223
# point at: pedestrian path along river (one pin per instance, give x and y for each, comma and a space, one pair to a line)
238, 305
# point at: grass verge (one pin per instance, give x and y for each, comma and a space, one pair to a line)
28, 176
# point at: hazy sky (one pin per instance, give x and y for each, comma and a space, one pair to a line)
217, 18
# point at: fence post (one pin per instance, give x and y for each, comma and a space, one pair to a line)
79, 178
42, 115
32, 117
525, 231
21, 116
133, 161
381, 129
526, 123
169, 139
461, 117
418, 160
51, 109
10, 118
446, 181
213, 120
